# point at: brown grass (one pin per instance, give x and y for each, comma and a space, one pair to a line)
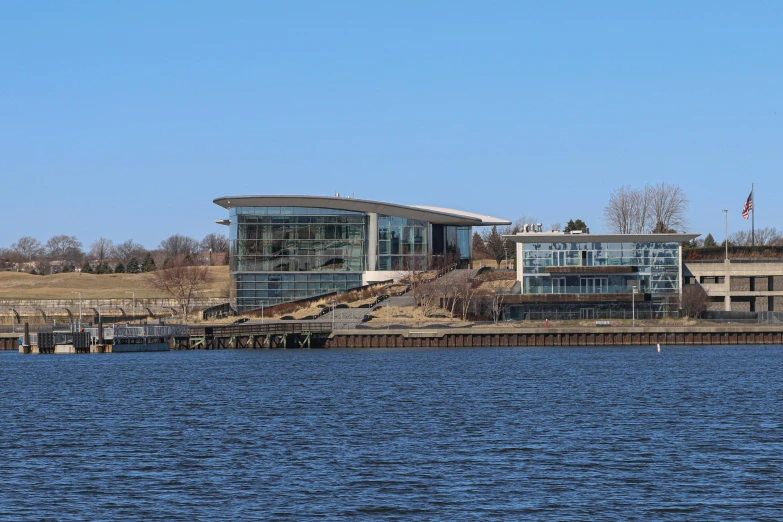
410, 316
19, 285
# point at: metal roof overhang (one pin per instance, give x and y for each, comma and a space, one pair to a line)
437, 215
543, 237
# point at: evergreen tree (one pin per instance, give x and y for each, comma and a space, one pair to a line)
166, 263
65, 269
103, 268
148, 265
709, 241
133, 266
496, 246
87, 268
478, 243
572, 225
119, 268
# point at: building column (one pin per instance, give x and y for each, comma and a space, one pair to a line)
372, 241
727, 285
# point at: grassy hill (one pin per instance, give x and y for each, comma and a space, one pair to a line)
18, 285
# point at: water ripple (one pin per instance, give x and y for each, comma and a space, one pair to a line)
495, 434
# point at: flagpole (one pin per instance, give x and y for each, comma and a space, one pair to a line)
753, 215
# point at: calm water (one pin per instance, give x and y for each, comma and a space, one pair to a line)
457, 434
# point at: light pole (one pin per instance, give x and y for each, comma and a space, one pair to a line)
506, 251
134, 305
262, 312
727, 233
80, 308
334, 311
633, 307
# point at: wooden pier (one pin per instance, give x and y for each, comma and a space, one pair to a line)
255, 336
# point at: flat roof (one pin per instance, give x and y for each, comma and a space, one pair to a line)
437, 215
561, 237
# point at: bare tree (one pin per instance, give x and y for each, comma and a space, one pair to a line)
694, 300
215, 243
448, 290
496, 295
101, 249
64, 247
415, 273
764, 236
127, 249
468, 287
28, 247
628, 211
655, 208
179, 245
669, 206
182, 282
555, 227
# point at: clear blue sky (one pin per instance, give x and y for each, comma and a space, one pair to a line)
126, 119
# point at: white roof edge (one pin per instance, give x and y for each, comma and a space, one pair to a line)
485, 220
544, 237
438, 215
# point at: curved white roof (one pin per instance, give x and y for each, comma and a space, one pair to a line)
437, 215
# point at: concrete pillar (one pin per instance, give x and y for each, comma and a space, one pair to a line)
727, 285
372, 241
25, 348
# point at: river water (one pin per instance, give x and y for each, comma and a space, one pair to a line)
400, 434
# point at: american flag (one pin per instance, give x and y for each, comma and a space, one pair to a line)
748, 206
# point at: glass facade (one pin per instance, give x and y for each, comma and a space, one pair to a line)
655, 268
281, 254
291, 239
402, 243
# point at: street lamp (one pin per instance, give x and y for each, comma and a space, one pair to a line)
80, 308
506, 251
727, 233
134, 305
633, 307
334, 311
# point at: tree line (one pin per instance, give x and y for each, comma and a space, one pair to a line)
767, 236
64, 253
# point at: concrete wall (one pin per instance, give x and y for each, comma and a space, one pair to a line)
744, 287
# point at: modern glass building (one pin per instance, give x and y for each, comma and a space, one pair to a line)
285, 248
586, 273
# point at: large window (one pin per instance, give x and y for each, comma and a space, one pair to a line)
280, 254
402, 243
656, 267
267, 289
293, 239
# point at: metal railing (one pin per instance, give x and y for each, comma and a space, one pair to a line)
260, 329
582, 315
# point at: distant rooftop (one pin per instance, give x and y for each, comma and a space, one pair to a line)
576, 237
